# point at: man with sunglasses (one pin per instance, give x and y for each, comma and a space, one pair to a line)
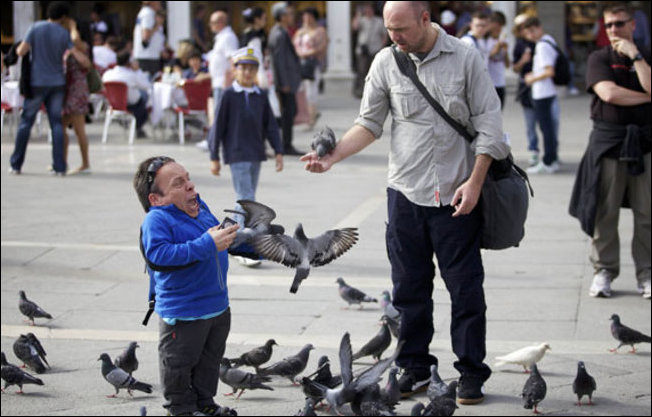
185, 248
615, 169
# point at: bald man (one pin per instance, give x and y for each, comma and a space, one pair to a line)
434, 183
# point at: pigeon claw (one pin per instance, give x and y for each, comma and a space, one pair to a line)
112, 396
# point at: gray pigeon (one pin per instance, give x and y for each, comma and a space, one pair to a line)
377, 345
28, 353
353, 295
391, 394
417, 409
388, 307
13, 375
312, 390
534, 390
301, 253
324, 142
323, 374
370, 402
394, 326
238, 379
255, 357
289, 367
127, 360
33, 340
258, 221
30, 309
444, 405
120, 379
437, 387
308, 409
584, 384
626, 335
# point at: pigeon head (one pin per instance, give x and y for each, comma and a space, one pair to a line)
133, 345
271, 342
340, 281
226, 363
322, 361
21, 293
534, 369
393, 371
417, 409
615, 318
104, 357
386, 296
580, 365
545, 346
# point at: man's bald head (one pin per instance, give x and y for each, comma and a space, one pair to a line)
218, 21
417, 7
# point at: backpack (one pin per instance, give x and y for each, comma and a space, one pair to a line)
562, 66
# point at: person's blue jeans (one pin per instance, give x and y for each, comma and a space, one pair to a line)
245, 177
413, 234
549, 124
531, 129
53, 99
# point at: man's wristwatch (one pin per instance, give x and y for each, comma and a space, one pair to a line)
638, 57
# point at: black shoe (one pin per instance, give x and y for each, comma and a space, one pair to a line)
217, 410
291, 151
413, 382
141, 134
470, 390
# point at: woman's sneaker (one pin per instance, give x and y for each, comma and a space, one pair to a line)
470, 390
413, 382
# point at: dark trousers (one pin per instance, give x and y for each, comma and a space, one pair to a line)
53, 99
501, 95
150, 66
189, 361
544, 113
139, 110
288, 104
413, 234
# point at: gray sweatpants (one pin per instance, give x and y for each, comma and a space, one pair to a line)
189, 361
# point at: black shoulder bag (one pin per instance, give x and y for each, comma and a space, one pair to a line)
504, 195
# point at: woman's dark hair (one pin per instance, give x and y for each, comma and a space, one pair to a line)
145, 178
251, 14
313, 11
58, 9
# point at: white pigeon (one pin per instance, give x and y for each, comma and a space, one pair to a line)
525, 356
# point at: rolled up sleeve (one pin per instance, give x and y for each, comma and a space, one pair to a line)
374, 106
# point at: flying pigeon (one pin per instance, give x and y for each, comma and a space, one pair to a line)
437, 387
13, 375
127, 360
377, 345
534, 390
324, 375
119, 378
391, 394
28, 353
258, 221
525, 357
30, 309
626, 335
584, 384
289, 367
255, 357
353, 295
300, 252
323, 142
238, 379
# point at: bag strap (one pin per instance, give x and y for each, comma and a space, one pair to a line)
406, 66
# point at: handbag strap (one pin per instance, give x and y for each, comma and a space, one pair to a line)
406, 66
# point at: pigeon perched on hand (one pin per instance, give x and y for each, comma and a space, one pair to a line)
324, 142
291, 366
377, 345
127, 360
28, 352
353, 295
626, 335
534, 390
238, 379
258, 221
525, 357
13, 375
584, 384
300, 252
30, 309
255, 357
120, 379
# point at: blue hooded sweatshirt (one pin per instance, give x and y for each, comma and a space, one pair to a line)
172, 238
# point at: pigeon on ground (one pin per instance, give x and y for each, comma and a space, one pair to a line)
323, 374
324, 142
391, 394
255, 357
30, 309
353, 295
120, 379
626, 335
127, 360
534, 390
28, 352
238, 379
312, 390
394, 326
388, 307
443, 405
370, 402
143, 411
13, 375
437, 387
289, 367
301, 253
258, 221
33, 340
525, 357
308, 409
584, 384
377, 345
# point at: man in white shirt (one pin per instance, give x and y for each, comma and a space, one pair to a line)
475, 37
147, 53
544, 93
138, 85
105, 55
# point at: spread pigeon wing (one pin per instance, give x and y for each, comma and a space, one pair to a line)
346, 361
283, 249
257, 214
331, 244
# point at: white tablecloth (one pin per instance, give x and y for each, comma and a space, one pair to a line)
11, 94
165, 96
